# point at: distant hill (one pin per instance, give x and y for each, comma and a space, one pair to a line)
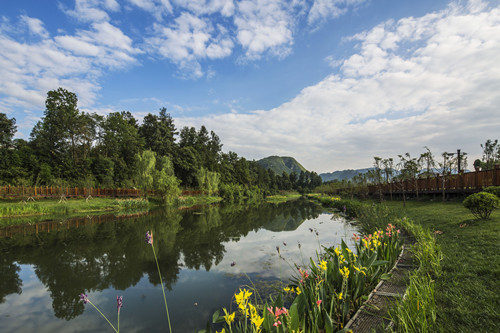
341, 175
281, 163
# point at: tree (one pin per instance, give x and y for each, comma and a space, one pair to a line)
165, 181
159, 133
120, 141
410, 169
491, 152
7, 130
145, 168
427, 159
377, 163
388, 171
446, 168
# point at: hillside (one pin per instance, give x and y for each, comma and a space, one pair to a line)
343, 174
281, 163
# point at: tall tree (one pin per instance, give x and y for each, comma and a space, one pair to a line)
159, 133
121, 142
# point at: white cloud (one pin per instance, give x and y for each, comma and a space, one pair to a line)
35, 26
190, 39
431, 80
91, 10
157, 8
264, 25
30, 69
203, 7
322, 10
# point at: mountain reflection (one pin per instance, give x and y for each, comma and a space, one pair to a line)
110, 252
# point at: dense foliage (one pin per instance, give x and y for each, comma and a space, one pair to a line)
481, 204
71, 147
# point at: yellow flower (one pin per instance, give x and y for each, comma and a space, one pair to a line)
323, 265
344, 272
287, 289
257, 321
229, 317
348, 250
298, 291
223, 331
337, 252
242, 296
340, 295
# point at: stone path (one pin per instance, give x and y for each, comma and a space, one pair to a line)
372, 316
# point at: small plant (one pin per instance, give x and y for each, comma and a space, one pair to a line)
119, 303
493, 190
481, 204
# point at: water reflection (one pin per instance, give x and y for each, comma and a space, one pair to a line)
103, 255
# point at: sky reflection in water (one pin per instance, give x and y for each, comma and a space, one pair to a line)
195, 249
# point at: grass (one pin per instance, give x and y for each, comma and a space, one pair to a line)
467, 291
279, 198
9, 208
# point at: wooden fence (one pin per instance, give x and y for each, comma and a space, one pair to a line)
462, 183
36, 192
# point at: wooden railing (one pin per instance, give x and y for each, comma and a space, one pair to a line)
35, 192
456, 183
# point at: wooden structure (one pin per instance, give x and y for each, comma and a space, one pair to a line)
462, 184
37, 192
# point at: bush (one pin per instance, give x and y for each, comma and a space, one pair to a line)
493, 190
481, 204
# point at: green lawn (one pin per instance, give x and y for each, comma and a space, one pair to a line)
468, 292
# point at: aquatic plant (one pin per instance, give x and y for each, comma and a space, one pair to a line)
119, 299
149, 241
323, 295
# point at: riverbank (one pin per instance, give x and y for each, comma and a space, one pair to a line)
466, 292
15, 212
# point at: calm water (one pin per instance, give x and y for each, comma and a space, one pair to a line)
42, 273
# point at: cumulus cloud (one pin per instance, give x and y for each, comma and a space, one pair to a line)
190, 39
322, 10
430, 80
30, 69
264, 25
35, 26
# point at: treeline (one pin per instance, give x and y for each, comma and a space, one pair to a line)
70, 147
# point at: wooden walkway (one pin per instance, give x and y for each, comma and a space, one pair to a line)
463, 183
37, 192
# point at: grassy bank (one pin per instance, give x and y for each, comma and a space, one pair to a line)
466, 293
15, 212
12, 209
279, 198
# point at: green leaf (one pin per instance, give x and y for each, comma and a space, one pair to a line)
216, 317
328, 323
294, 317
385, 276
380, 262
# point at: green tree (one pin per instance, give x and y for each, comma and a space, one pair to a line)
165, 181
120, 141
491, 152
159, 133
145, 168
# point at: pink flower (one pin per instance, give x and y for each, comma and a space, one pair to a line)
277, 323
318, 302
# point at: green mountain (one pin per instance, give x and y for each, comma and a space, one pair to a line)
341, 175
281, 163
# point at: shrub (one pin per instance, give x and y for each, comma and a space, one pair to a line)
493, 190
481, 204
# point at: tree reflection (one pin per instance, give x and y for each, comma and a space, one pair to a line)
99, 255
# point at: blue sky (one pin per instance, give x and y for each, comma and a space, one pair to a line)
331, 82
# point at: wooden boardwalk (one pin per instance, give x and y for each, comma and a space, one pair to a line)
37, 192
463, 183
